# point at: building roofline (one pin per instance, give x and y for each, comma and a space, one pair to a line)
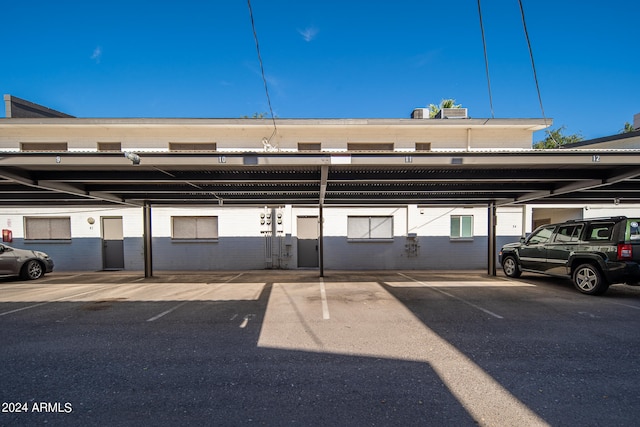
23, 112
594, 141
21, 108
529, 124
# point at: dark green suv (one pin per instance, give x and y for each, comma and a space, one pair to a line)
594, 253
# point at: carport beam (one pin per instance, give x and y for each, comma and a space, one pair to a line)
148, 259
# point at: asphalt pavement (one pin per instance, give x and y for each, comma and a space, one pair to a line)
377, 348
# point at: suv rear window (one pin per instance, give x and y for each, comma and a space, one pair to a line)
633, 230
599, 232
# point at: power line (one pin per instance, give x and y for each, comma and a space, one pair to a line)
486, 59
533, 66
264, 79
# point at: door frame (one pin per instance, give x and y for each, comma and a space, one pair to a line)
317, 240
104, 244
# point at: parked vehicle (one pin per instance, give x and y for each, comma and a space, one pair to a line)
594, 253
27, 264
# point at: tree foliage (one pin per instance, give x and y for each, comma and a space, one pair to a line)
556, 138
628, 127
445, 103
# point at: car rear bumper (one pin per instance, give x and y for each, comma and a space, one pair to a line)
621, 272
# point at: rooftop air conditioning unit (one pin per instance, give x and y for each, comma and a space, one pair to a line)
452, 113
420, 113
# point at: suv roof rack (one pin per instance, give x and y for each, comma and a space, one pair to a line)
604, 218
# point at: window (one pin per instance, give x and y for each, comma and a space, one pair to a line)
370, 146
423, 146
568, 233
109, 146
194, 227
192, 146
309, 146
597, 232
43, 146
370, 227
633, 230
47, 228
541, 236
462, 226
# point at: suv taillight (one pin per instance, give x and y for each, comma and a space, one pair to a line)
625, 251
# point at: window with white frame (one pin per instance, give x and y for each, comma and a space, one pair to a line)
370, 227
461, 226
47, 228
194, 227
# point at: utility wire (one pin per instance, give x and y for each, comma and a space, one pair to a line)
486, 59
264, 79
535, 75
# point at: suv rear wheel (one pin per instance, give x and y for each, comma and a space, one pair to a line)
588, 280
510, 267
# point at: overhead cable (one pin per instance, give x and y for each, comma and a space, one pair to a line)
533, 66
264, 79
486, 59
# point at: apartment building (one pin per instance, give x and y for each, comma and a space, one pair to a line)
225, 231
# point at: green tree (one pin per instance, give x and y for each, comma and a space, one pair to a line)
556, 138
445, 103
628, 127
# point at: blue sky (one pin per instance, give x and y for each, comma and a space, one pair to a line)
326, 59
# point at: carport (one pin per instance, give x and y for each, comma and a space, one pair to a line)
271, 178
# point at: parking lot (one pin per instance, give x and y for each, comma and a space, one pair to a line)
288, 347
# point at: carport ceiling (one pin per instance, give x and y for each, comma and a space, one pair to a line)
356, 178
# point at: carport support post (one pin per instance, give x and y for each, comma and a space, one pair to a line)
148, 259
324, 176
491, 258
321, 241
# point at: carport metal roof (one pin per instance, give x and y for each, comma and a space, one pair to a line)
490, 178
502, 177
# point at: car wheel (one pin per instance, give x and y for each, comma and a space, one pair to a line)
588, 280
32, 270
510, 267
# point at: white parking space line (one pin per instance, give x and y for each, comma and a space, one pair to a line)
164, 313
24, 308
624, 305
171, 310
245, 320
484, 310
323, 296
49, 302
